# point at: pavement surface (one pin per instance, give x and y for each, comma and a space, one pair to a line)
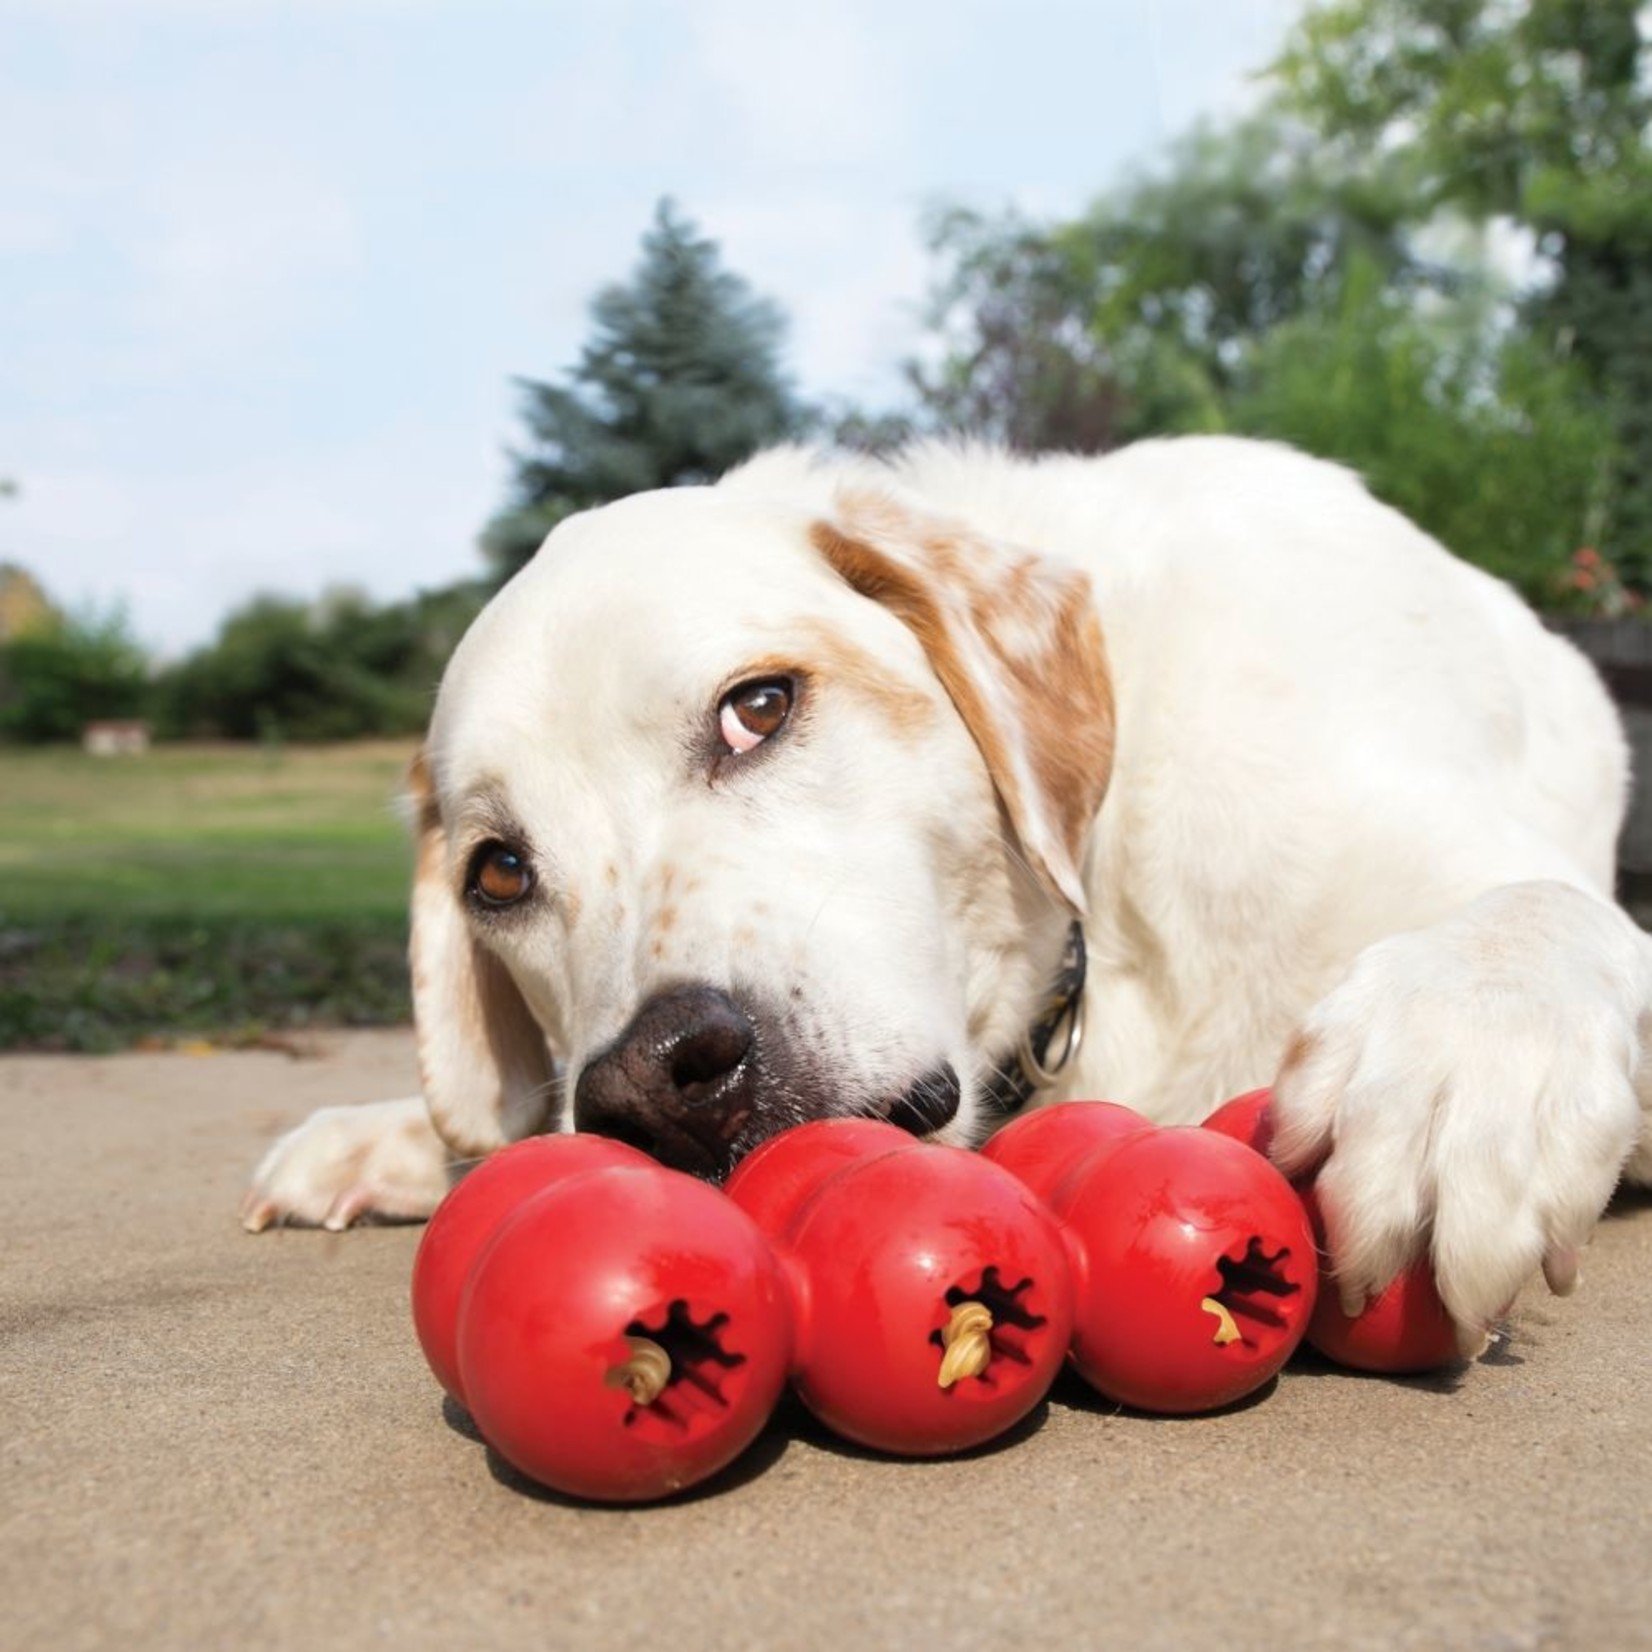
212, 1439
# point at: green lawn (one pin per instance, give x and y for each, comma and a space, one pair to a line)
199, 889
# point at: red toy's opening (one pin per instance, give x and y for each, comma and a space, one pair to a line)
1251, 1290
703, 1377
1013, 1320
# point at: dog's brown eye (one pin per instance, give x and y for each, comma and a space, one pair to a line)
498, 875
752, 712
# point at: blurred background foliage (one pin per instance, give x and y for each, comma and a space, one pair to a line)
1426, 253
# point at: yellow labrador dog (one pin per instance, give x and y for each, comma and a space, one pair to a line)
851, 787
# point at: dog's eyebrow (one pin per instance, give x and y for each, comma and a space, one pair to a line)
483, 813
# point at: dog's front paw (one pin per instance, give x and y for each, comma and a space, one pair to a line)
1470, 1090
346, 1163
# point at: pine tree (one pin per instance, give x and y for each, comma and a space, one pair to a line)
680, 379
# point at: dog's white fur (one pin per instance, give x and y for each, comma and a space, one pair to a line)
1357, 834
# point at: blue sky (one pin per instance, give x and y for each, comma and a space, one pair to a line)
267, 267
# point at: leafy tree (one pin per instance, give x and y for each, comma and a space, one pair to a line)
1472, 430
62, 672
1538, 112
1137, 318
1299, 277
1017, 361
1191, 304
680, 380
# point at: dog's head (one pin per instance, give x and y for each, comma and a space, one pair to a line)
737, 814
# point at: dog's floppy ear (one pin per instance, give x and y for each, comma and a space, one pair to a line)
487, 1072
1015, 641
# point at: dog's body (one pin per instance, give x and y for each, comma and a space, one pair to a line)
752, 803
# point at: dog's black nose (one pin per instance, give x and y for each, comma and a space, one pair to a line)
680, 1082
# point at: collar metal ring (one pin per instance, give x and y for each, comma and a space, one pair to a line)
1045, 1072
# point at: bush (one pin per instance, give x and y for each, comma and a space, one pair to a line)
1466, 426
335, 669
64, 672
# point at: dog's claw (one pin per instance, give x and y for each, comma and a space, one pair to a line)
1472, 1341
256, 1213
1352, 1302
349, 1207
1560, 1270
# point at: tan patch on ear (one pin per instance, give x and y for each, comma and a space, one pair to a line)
1016, 644
1072, 719
906, 593
869, 571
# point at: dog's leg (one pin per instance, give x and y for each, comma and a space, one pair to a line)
345, 1163
1476, 1089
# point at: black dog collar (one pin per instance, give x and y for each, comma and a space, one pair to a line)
1031, 1068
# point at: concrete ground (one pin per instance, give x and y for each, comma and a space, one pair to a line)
212, 1440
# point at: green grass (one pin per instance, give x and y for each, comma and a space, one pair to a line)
199, 890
